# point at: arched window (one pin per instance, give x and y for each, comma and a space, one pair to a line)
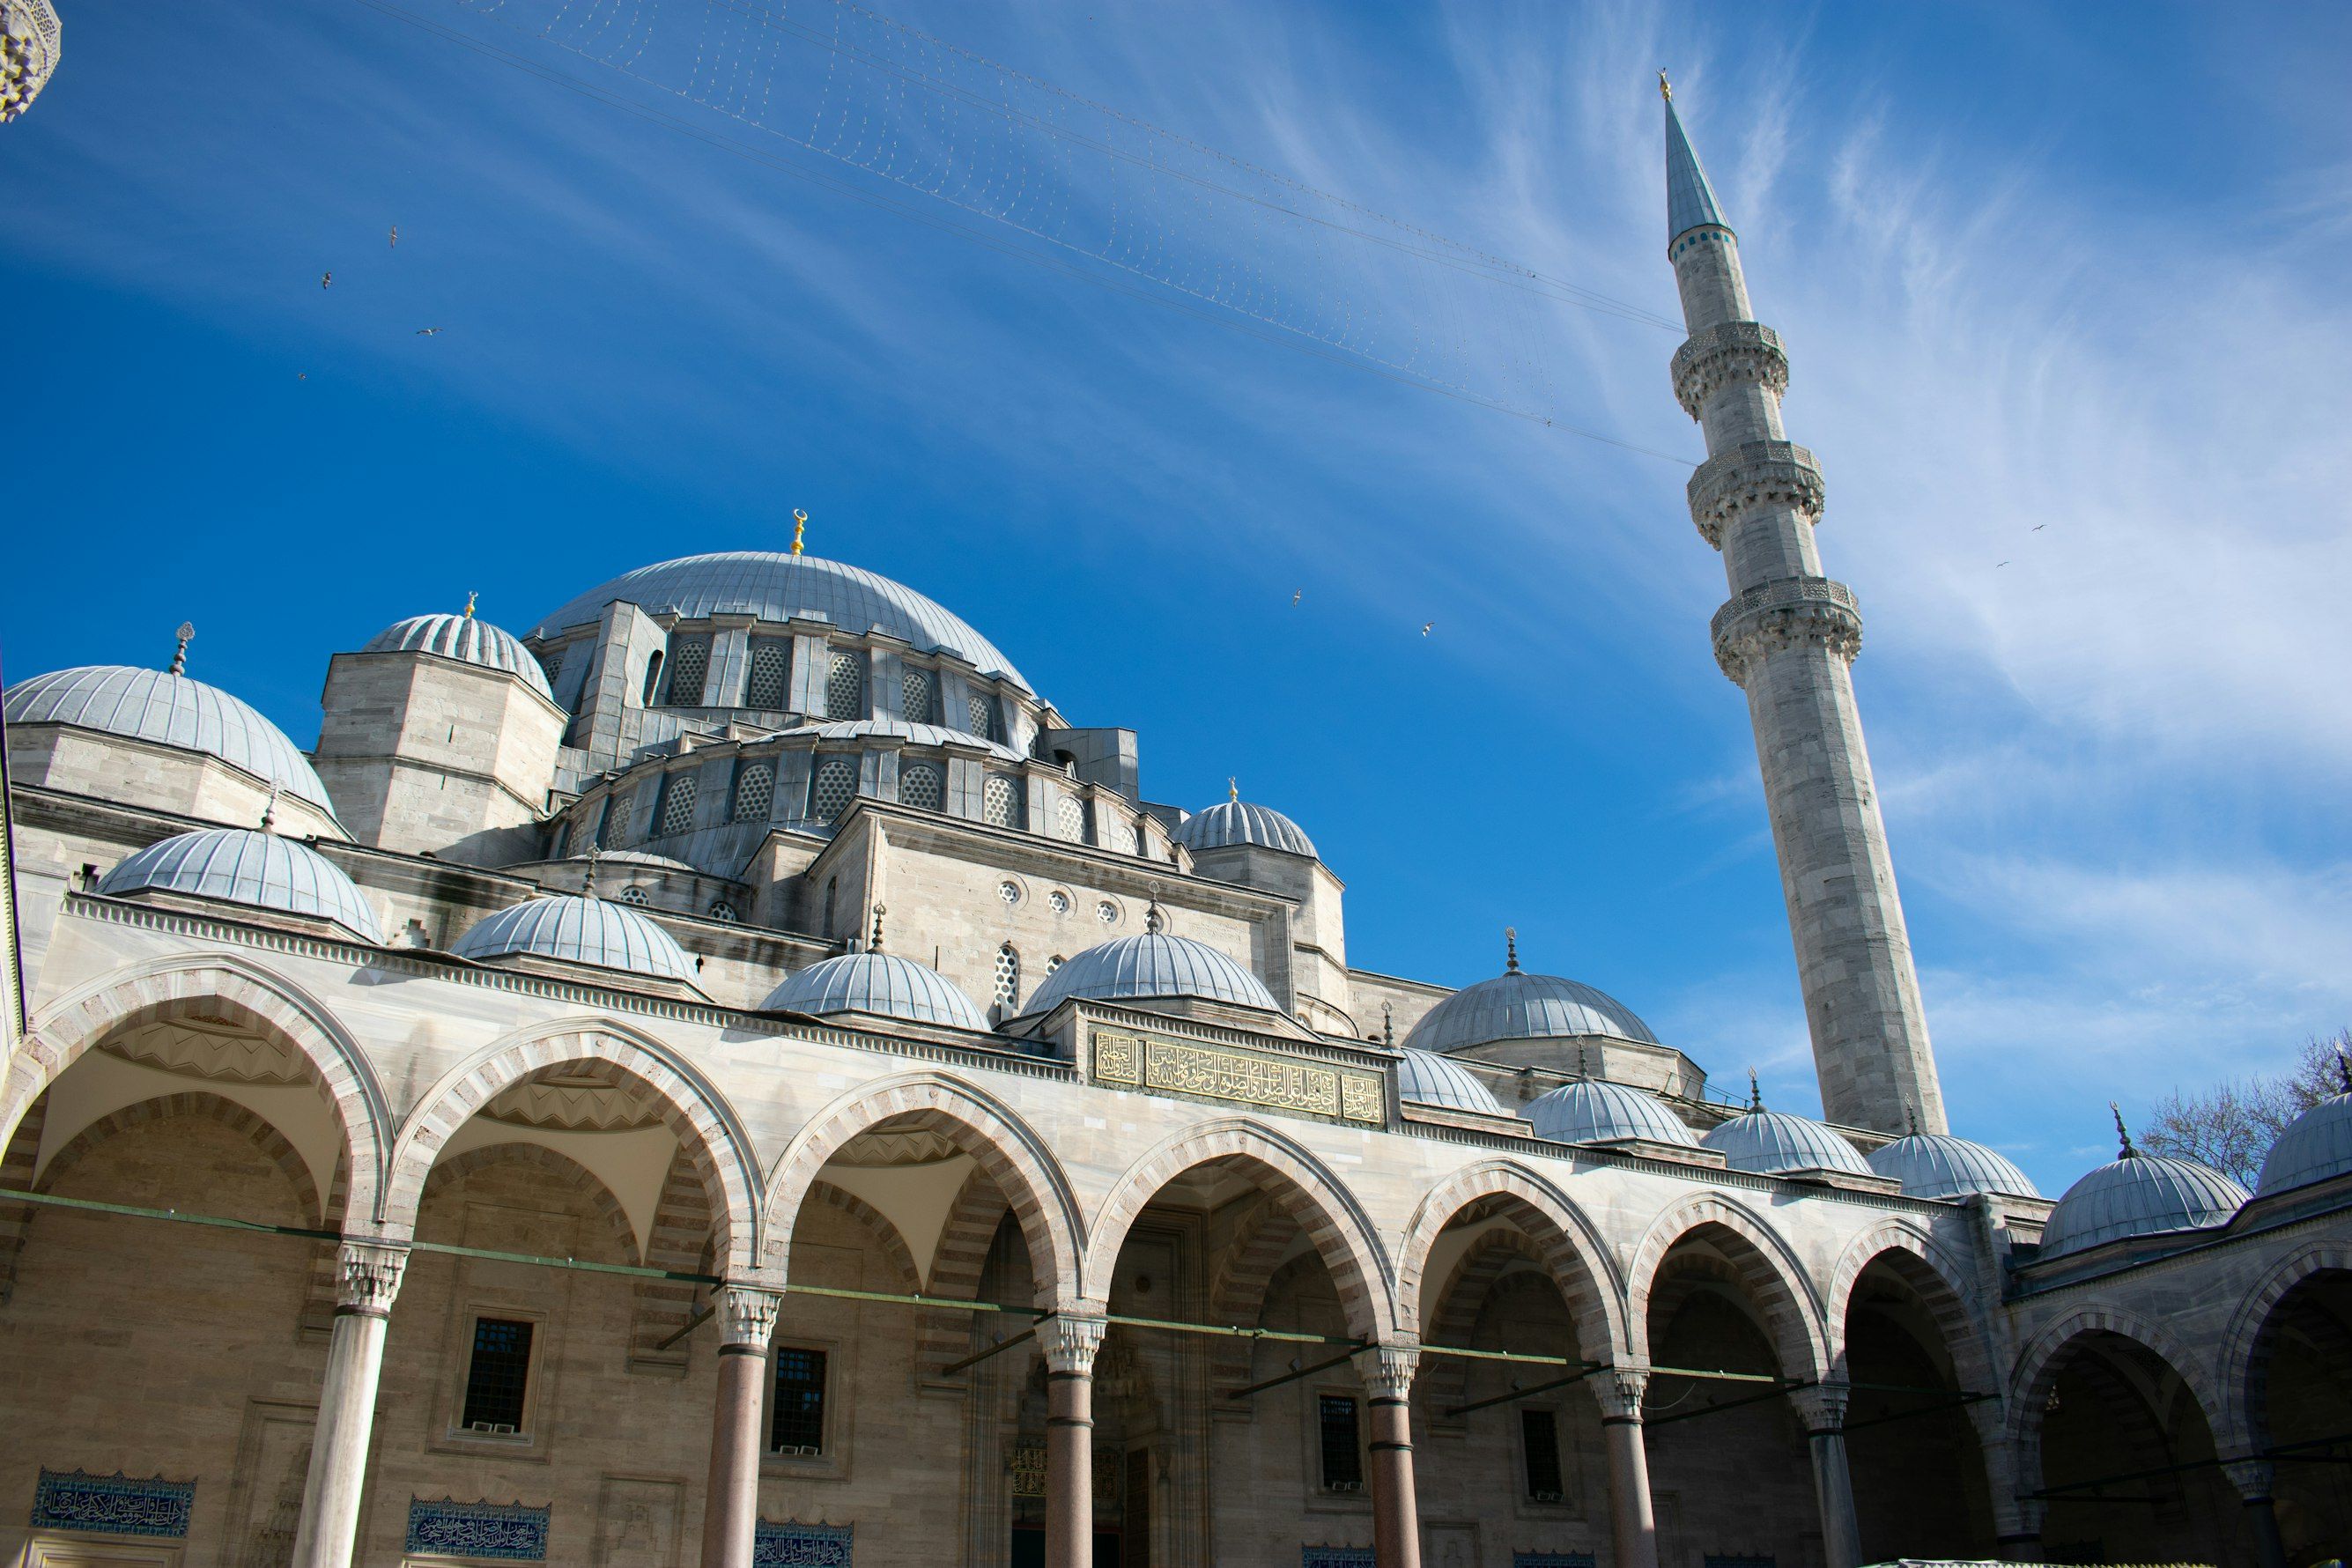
1008, 977
922, 785
980, 709
999, 802
653, 678
1123, 837
771, 668
633, 894
678, 803
723, 911
551, 664
844, 687
919, 695
755, 788
1070, 820
833, 788
690, 665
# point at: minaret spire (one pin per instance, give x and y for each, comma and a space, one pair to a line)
1788, 637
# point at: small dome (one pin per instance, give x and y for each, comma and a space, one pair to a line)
1236, 821
579, 931
170, 710
1424, 1078
463, 638
2139, 1194
1596, 1111
1771, 1142
1516, 1005
1938, 1165
1152, 965
877, 983
2315, 1145
238, 866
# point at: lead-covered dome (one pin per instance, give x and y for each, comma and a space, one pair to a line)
1155, 964
170, 710
239, 866
2139, 1194
877, 983
466, 639
1238, 821
577, 930
1594, 1111
1772, 1142
2315, 1145
1938, 1165
1424, 1078
1516, 1006
778, 587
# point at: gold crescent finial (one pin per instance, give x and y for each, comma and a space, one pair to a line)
800, 527
1666, 87
470, 597
1233, 787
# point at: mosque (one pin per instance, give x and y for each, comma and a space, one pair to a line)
730, 1073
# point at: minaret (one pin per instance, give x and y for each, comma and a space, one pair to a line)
1787, 636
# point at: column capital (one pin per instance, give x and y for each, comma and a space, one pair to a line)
1619, 1390
747, 1315
367, 1277
1388, 1370
2252, 1478
1070, 1341
1823, 1406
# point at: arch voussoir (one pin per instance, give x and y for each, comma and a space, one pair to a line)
1770, 1271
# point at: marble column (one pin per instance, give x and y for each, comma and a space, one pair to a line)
1070, 1342
1387, 1372
2016, 1516
2253, 1479
1633, 1522
369, 1278
730, 1514
1824, 1408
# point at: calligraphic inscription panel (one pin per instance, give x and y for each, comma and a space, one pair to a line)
503, 1532
1242, 1078
113, 1505
795, 1545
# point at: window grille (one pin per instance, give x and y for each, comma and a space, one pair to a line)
633, 894
844, 687
678, 803
723, 911
1106, 912
1009, 891
980, 709
796, 1421
769, 685
1059, 902
1539, 1442
1124, 837
999, 802
1070, 820
833, 788
498, 1376
624, 821
920, 785
1053, 963
1343, 1458
755, 788
1008, 977
551, 664
918, 694
690, 663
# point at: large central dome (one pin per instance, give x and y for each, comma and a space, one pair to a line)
777, 587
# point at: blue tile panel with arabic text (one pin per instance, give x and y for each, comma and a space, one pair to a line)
502, 1532
795, 1545
113, 1505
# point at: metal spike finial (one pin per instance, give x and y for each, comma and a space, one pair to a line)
1388, 1025
1583, 1070
800, 527
270, 809
595, 853
2122, 1132
1510, 950
471, 594
1666, 87
1755, 1094
876, 945
1911, 1122
1153, 918
187, 634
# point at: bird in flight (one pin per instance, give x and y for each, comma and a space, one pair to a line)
426, 331
1998, 564
2040, 526
1294, 596
392, 241
301, 375
326, 279
1425, 626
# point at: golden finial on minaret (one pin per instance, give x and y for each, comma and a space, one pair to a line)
1666, 87
470, 597
800, 527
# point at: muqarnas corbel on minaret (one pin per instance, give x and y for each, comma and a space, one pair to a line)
1788, 636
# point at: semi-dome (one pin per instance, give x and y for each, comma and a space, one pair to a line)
577, 930
466, 639
1155, 964
2315, 1145
778, 587
1238, 821
2139, 1194
1938, 1165
1516, 1006
877, 983
170, 710
1424, 1078
1769, 1142
238, 866
1594, 1111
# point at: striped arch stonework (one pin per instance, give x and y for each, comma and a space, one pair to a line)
1342, 1233
692, 1107
2039, 1365
232, 987
1773, 1278
679, 1240
1461, 1300
2246, 1348
1941, 1284
16, 1163
1237, 1293
1014, 1157
957, 1266
1571, 1249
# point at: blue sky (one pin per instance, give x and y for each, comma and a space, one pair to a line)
2063, 288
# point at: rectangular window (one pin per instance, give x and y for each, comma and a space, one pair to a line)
1343, 1455
498, 1376
797, 1423
1539, 1437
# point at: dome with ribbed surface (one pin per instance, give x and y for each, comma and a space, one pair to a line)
1231, 822
466, 639
1424, 1078
877, 983
1938, 1165
577, 930
1595, 1111
1154, 964
170, 710
2315, 1145
1769, 1142
2139, 1194
238, 866
1516, 1006
777, 587
900, 729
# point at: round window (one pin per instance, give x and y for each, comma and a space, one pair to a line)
1009, 891
1059, 901
1106, 912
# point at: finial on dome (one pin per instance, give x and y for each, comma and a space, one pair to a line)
876, 945
595, 853
800, 527
187, 634
471, 594
270, 809
2122, 1132
1581, 1069
1510, 950
1388, 1025
2343, 1068
1755, 1094
1233, 787
1153, 918
1910, 1121
1666, 87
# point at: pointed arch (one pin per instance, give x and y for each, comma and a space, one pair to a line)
251, 996
2246, 1348
1940, 1283
2038, 1363
693, 1106
1342, 1232
1570, 1247
1006, 1147
1770, 1271
204, 1106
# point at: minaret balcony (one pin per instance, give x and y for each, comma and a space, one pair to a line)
1751, 475
1726, 354
1787, 613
